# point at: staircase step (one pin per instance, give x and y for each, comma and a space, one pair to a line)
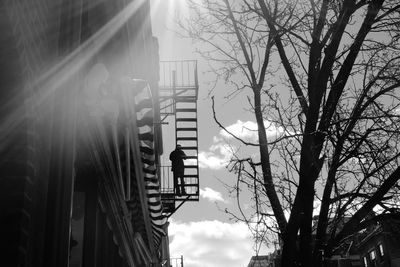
186, 129
185, 99
188, 105
191, 157
186, 138
191, 176
186, 110
191, 166
196, 184
189, 148
186, 119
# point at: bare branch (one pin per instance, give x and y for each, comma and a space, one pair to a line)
226, 130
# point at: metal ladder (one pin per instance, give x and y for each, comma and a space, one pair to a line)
186, 134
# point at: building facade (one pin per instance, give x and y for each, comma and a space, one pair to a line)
80, 142
377, 245
380, 245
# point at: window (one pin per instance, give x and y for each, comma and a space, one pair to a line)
372, 255
365, 261
381, 251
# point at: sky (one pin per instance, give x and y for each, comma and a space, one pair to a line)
201, 231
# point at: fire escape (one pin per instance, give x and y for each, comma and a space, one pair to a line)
178, 101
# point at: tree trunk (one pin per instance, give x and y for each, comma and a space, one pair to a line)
302, 210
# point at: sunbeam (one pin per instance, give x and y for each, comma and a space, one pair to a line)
63, 70
165, 15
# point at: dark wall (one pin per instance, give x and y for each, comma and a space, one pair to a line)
41, 77
25, 51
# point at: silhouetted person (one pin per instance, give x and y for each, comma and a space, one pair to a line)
178, 168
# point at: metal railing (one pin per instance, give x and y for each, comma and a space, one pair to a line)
179, 76
185, 73
167, 180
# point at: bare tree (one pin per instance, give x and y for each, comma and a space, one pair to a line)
335, 94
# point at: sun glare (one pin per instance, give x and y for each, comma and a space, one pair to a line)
52, 78
165, 14
167, 11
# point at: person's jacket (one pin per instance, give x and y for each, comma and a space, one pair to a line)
176, 157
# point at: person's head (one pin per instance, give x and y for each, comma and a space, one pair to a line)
178, 147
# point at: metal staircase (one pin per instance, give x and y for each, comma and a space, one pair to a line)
178, 99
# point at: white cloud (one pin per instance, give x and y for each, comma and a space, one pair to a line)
248, 130
220, 153
245, 130
212, 195
217, 157
211, 161
211, 243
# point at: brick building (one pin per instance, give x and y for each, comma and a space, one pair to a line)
79, 146
379, 246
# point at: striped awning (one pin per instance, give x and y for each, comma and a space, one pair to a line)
145, 118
